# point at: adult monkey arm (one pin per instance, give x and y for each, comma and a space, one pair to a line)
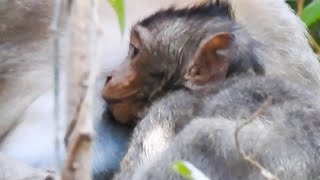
24, 48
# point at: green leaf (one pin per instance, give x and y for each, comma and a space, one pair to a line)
118, 7
182, 170
311, 13
188, 171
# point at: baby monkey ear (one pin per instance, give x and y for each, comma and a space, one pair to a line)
211, 62
222, 40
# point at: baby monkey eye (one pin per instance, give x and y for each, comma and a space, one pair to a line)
133, 51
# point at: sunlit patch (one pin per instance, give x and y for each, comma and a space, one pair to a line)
156, 141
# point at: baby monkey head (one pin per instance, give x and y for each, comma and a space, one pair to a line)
173, 48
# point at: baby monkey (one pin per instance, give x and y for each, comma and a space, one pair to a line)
169, 59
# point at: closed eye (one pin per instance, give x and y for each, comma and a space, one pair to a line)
133, 51
158, 75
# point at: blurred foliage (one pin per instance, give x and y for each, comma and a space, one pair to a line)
118, 7
310, 16
188, 171
182, 170
311, 13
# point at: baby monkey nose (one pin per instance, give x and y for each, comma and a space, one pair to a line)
107, 80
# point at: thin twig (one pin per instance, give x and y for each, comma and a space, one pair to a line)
314, 43
300, 4
264, 172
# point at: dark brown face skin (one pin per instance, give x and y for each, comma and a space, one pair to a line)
122, 87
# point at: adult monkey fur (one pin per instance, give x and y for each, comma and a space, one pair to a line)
284, 139
25, 58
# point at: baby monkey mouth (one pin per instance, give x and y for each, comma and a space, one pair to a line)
131, 98
111, 101
125, 110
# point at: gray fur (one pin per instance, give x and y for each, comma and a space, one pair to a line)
283, 34
158, 127
285, 140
